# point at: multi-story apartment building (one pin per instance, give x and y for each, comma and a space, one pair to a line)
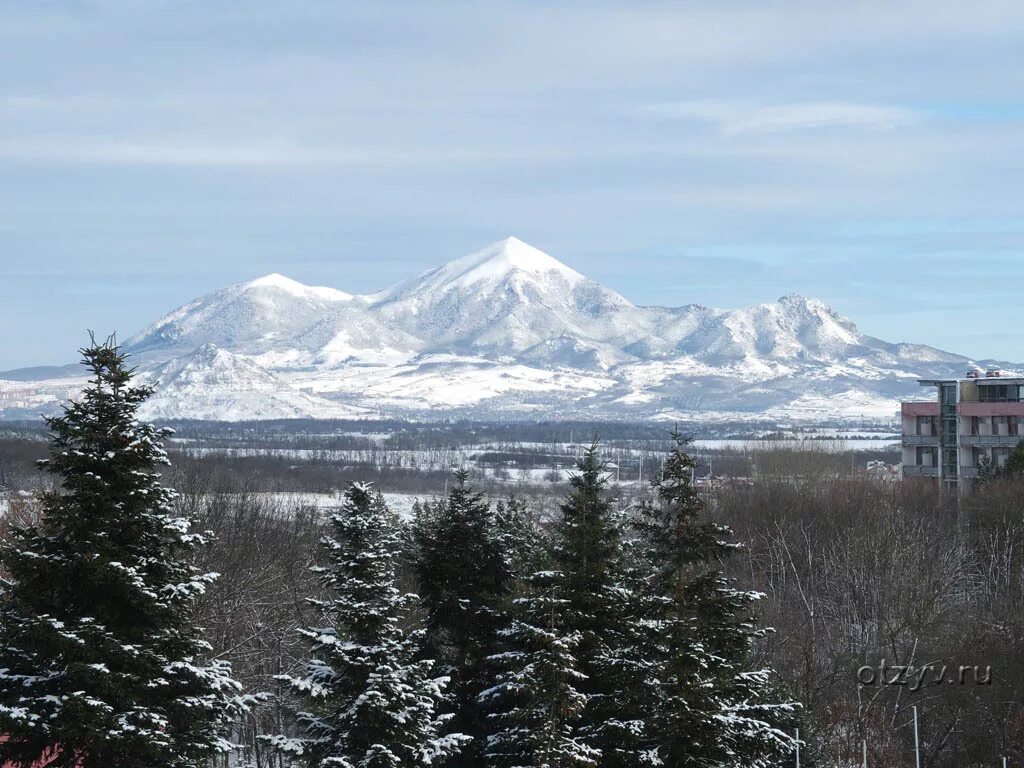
978, 417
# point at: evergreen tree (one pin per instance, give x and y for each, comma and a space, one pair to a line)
519, 539
709, 710
465, 581
1015, 461
986, 470
1014, 465
587, 541
536, 706
372, 702
589, 550
620, 716
99, 662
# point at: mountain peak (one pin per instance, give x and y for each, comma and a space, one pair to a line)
489, 267
280, 282
807, 304
792, 298
508, 255
799, 300
274, 279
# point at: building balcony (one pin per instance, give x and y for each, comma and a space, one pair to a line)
968, 473
990, 441
919, 470
920, 439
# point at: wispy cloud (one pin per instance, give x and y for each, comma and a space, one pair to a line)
256, 154
738, 117
72, 150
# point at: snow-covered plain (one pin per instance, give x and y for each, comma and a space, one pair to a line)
507, 332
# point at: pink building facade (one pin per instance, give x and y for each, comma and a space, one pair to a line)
973, 421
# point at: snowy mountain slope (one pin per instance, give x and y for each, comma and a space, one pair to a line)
212, 383
271, 311
511, 298
791, 328
508, 331
280, 323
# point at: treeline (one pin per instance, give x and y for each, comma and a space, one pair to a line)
855, 573
612, 639
529, 471
403, 457
480, 633
609, 639
858, 574
401, 434
18, 457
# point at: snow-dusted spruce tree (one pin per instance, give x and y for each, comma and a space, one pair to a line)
519, 539
99, 662
586, 547
371, 702
464, 581
535, 707
709, 711
599, 578
619, 717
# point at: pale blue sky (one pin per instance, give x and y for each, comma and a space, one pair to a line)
869, 154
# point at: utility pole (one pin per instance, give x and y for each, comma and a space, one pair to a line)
864, 753
798, 749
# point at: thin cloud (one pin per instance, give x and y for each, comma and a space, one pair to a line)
267, 155
737, 118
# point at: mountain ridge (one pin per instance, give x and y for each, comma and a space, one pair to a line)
510, 331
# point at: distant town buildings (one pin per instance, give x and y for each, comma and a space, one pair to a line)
974, 422
881, 470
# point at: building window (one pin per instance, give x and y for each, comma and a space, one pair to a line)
1013, 425
926, 425
992, 394
1000, 425
975, 425
1001, 393
949, 462
999, 457
927, 456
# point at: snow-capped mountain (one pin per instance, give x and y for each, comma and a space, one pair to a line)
508, 331
512, 299
272, 312
212, 383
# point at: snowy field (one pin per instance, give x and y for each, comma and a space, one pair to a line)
399, 503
